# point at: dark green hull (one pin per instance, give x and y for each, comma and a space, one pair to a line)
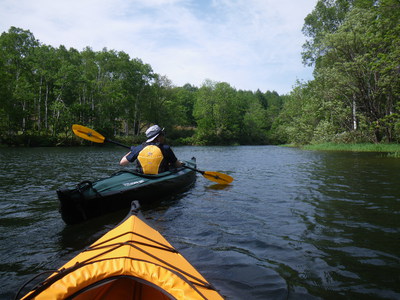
91, 199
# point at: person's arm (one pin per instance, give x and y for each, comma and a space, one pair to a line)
124, 161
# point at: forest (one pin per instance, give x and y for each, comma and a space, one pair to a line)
353, 46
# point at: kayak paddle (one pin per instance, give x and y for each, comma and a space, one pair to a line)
213, 176
93, 136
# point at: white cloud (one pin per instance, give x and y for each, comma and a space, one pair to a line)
251, 44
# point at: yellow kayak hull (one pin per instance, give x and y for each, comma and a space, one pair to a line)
132, 261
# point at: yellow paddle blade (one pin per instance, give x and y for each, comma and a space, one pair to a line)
218, 177
88, 134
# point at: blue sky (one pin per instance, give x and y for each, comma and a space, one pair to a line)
250, 44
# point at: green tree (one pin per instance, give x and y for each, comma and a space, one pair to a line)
138, 104
255, 124
218, 113
297, 120
65, 91
357, 55
185, 97
16, 48
354, 47
46, 65
326, 18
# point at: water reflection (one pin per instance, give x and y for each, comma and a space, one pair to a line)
219, 187
354, 227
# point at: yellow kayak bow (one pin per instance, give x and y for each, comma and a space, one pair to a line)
132, 261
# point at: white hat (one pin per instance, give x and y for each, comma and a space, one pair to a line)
153, 132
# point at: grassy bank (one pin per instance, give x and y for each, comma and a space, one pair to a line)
393, 150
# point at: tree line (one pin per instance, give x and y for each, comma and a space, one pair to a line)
353, 45
45, 89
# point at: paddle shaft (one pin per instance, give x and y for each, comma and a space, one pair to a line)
193, 169
116, 143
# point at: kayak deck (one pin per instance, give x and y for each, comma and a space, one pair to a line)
132, 261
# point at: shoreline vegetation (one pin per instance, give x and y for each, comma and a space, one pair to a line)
351, 104
392, 150
362, 147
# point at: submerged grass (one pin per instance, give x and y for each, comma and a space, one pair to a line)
393, 150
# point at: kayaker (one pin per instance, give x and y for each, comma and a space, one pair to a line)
153, 156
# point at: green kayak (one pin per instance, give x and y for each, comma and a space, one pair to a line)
91, 199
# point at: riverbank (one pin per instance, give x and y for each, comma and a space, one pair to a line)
178, 139
393, 150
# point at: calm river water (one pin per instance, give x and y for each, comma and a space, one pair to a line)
294, 224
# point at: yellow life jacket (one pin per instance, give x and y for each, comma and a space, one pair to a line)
150, 159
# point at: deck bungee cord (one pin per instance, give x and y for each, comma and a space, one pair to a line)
131, 259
